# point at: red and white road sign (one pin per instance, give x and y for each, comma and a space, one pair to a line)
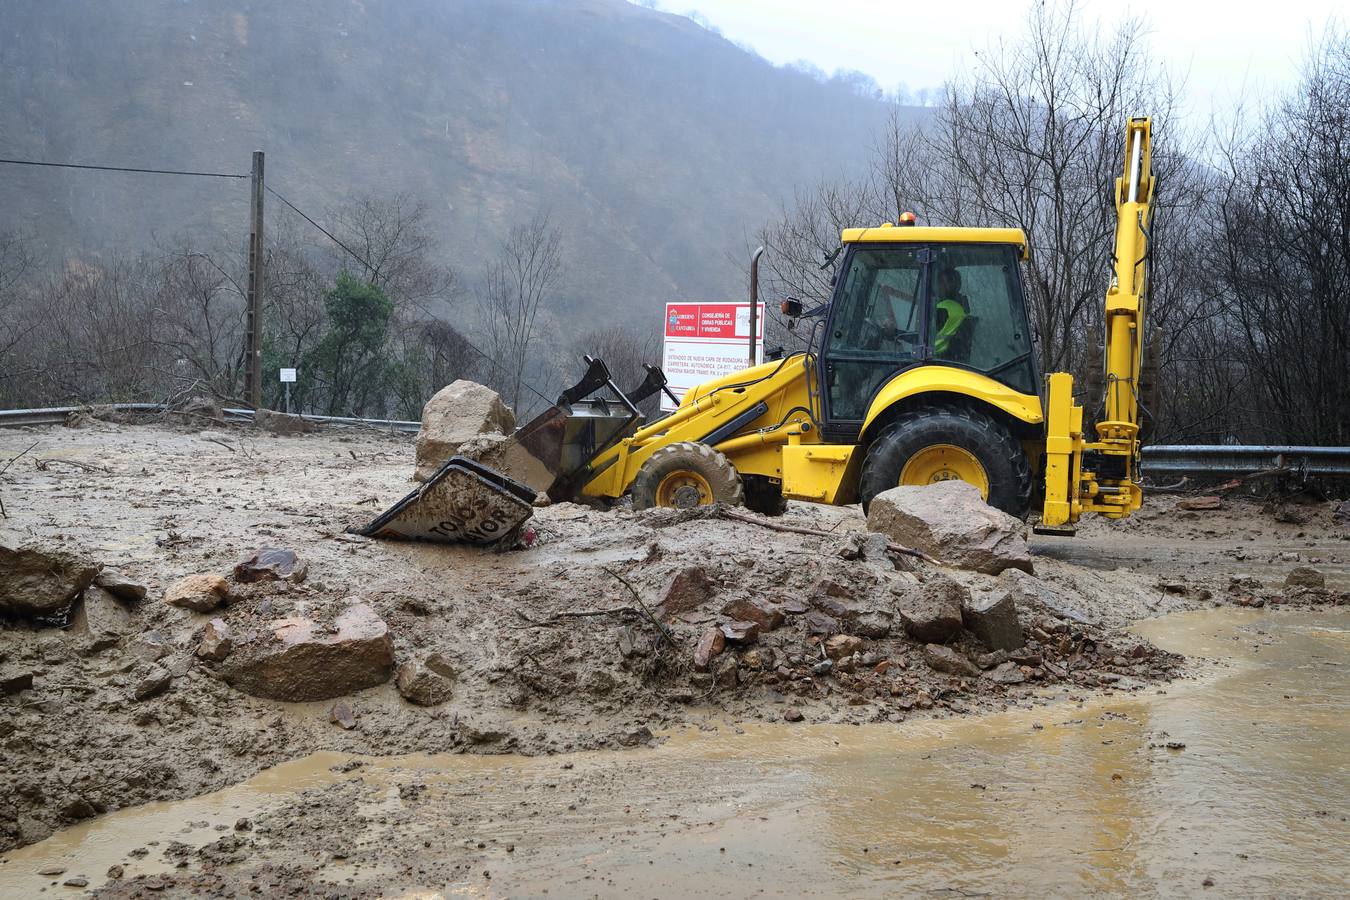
705, 341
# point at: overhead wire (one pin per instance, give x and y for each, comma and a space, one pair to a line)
58, 165
298, 211
370, 268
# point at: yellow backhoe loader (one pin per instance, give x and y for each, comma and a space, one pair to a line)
920, 368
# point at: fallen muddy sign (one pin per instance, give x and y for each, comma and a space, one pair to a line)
463, 503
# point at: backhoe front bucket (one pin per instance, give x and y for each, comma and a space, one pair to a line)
488, 501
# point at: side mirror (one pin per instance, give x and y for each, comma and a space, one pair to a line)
792, 308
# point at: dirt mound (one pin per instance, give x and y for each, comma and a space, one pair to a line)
587, 640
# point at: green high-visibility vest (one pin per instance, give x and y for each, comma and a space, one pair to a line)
956, 314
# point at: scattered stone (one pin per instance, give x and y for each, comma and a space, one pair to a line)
796, 606
297, 660
818, 623
766, 615
340, 713
824, 667
272, 564
115, 872
1027, 590
1006, 673
37, 582
200, 593
950, 521
51, 871
455, 415
740, 632
842, 645
1201, 503
283, 424
712, 643
627, 642
874, 625
945, 659
724, 671
684, 591
875, 548
1305, 577
792, 714
99, 614
155, 682
14, 682
150, 646
120, 586
989, 660
931, 612
427, 682
217, 641
77, 881
993, 619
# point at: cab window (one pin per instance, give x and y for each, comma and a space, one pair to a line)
977, 317
875, 326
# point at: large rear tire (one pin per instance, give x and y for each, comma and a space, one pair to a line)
686, 475
941, 443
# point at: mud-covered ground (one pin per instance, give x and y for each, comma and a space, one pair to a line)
533, 674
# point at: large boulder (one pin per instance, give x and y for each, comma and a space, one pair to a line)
458, 413
931, 612
301, 658
950, 521
37, 582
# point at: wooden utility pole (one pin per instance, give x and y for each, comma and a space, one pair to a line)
253, 373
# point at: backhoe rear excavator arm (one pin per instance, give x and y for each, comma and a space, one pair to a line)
1102, 475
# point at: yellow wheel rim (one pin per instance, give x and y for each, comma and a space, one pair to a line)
684, 490
945, 462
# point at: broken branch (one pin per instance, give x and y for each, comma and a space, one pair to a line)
632, 590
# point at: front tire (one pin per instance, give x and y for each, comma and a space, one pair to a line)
941, 443
686, 475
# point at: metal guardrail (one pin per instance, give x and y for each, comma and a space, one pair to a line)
1244, 459
56, 415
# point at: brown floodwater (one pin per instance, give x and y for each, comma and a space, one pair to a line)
1239, 778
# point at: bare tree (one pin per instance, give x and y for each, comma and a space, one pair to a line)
518, 284
199, 320
1280, 263
396, 247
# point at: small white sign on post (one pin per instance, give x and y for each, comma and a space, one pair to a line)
705, 341
287, 376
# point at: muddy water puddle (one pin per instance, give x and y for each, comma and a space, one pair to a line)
1239, 778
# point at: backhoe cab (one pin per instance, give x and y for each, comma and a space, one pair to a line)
919, 369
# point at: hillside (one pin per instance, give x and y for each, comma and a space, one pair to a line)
658, 146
